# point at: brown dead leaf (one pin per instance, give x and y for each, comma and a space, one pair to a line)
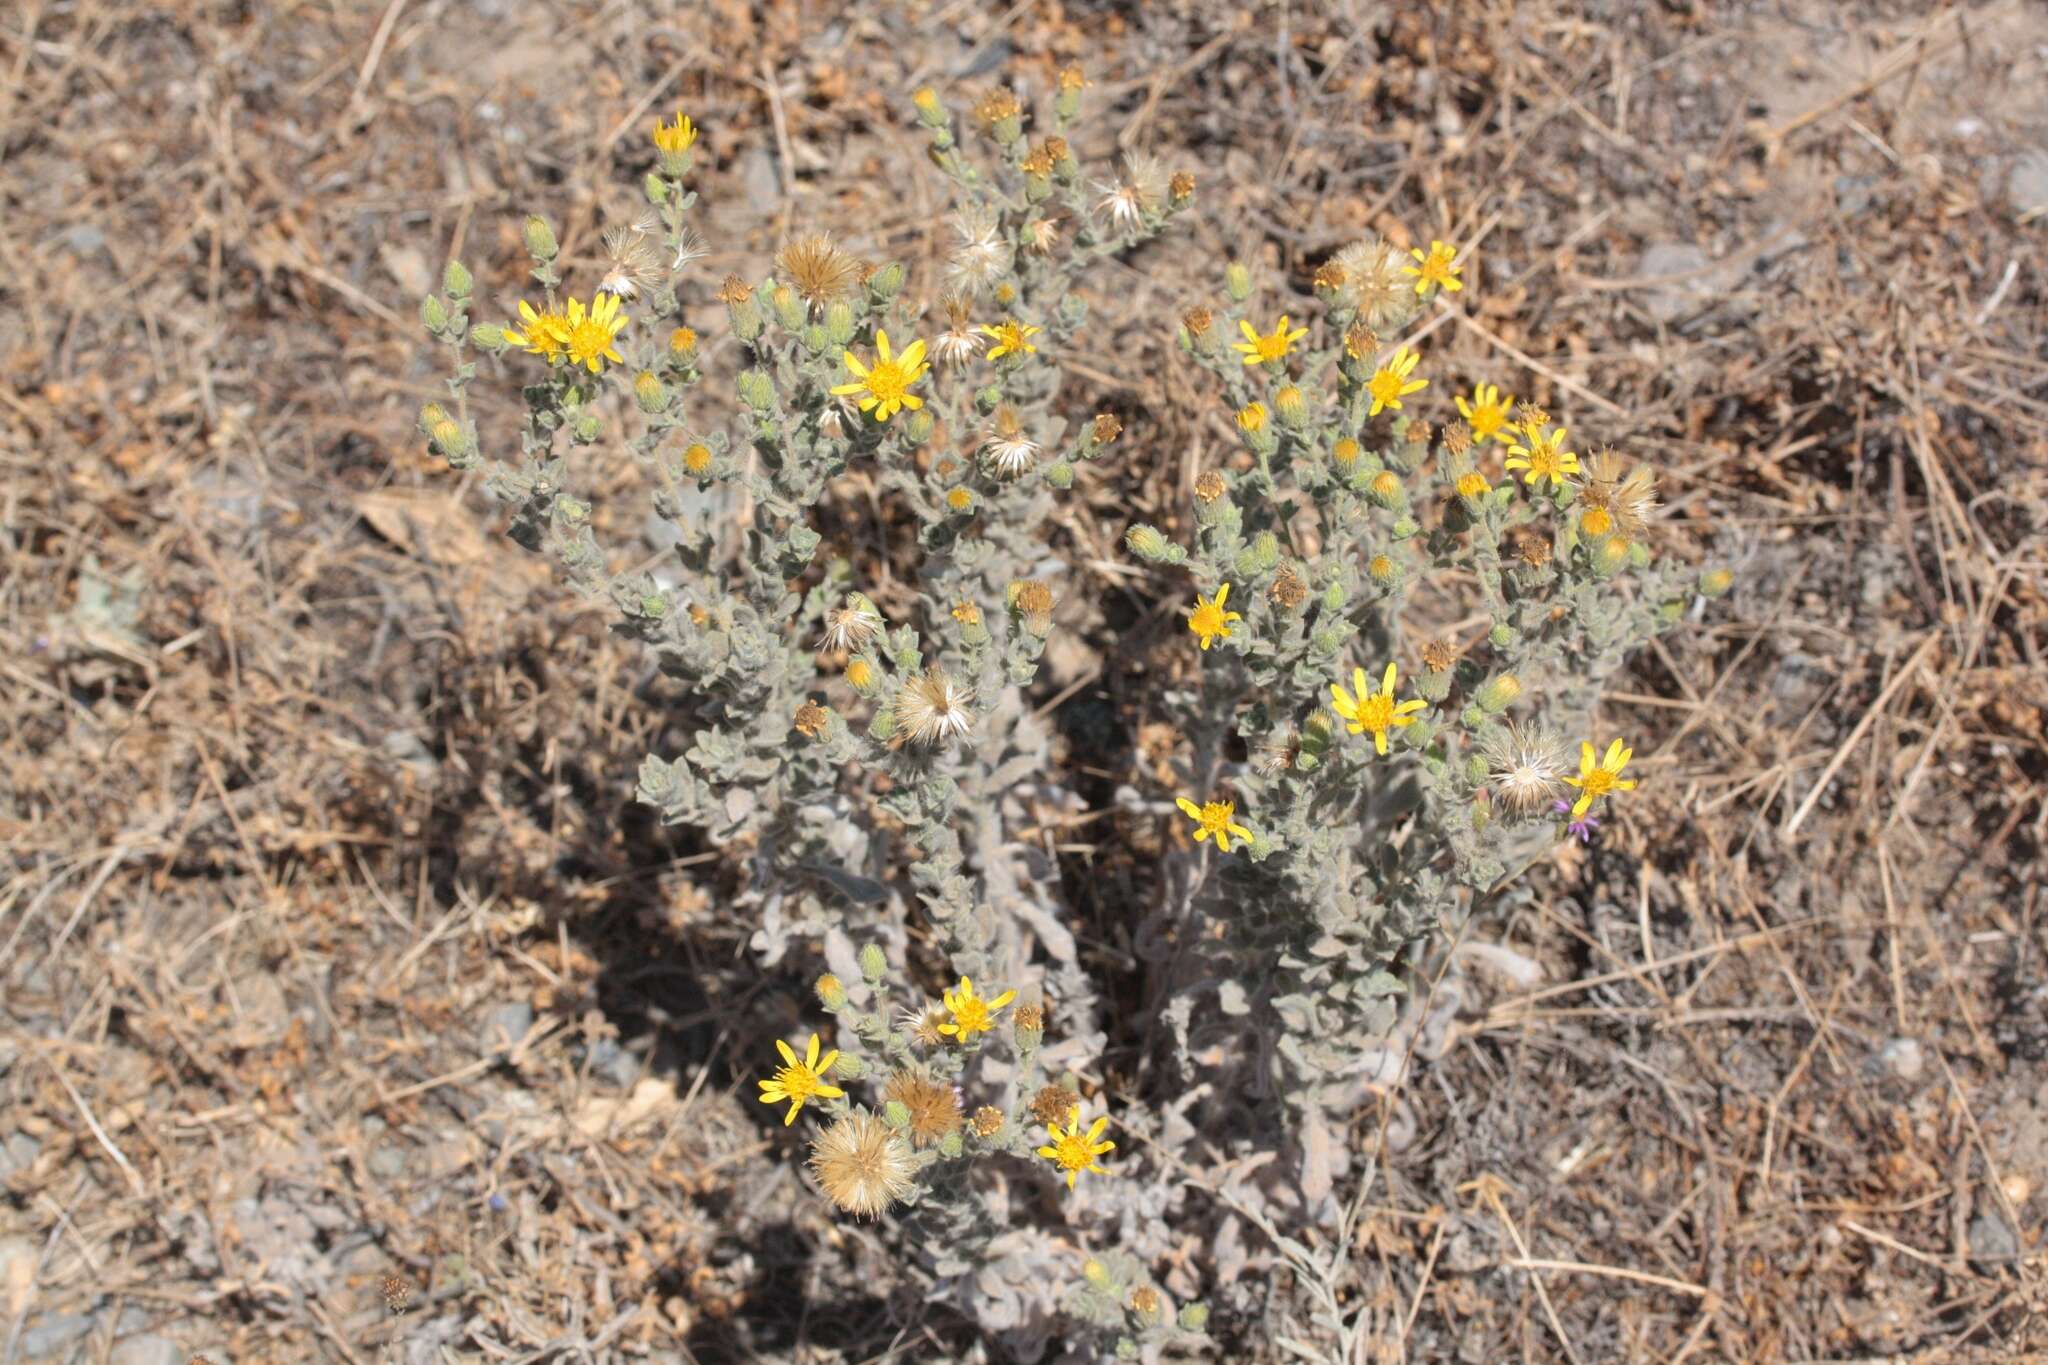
430, 525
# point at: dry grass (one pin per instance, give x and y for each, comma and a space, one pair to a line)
311, 790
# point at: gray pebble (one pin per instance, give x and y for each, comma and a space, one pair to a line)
1904, 1058
1991, 1239
387, 1162
504, 1026
147, 1350
52, 1332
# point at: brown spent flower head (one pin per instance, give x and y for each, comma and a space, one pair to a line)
935, 1112
967, 614
1288, 590
1456, 438
734, 290
818, 269
1331, 275
1197, 320
1031, 597
1209, 486
995, 106
1030, 1016
1041, 235
1145, 1301
1361, 342
988, 1121
862, 1164
1181, 186
1056, 147
812, 718
1106, 428
1036, 162
1529, 415
1438, 655
1073, 78
1531, 546
1051, 1103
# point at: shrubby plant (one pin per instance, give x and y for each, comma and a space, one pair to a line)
865, 758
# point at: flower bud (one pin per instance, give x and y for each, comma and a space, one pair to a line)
1237, 281
1147, 543
649, 392
1344, 454
1060, 475
895, 1114
886, 283
918, 427
1498, 693
756, 390
655, 188
586, 428
839, 322
1716, 582
789, 309
929, 111
860, 676
831, 992
456, 281
1194, 1317
540, 239
682, 344
1386, 491
433, 313
1261, 557
1291, 407
850, 1066
745, 316
487, 336
1433, 687
1096, 1273
1383, 571
697, 459
1501, 636
952, 1145
874, 963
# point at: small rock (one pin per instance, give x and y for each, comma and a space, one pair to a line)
1992, 1239
147, 1350
2028, 183
387, 1162
85, 238
52, 1332
1904, 1058
17, 1153
18, 1260
505, 1025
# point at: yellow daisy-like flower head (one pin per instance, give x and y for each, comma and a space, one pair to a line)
1012, 338
1209, 621
675, 138
799, 1080
1270, 349
540, 333
1074, 1151
1390, 382
1487, 414
1602, 778
1374, 712
1251, 417
588, 337
1472, 484
1543, 458
884, 388
971, 1014
1436, 268
1214, 817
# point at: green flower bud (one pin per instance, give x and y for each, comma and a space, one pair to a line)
649, 392
540, 239
789, 309
487, 336
831, 992
1334, 598
1237, 282
874, 963
1060, 475
1147, 543
1501, 636
655, 188
1433, 687
1716, 582
1326, 642
1261, 557
1194, 1317
586, 428
952, 1145
456, 281
757, 390
895, 1114
918, 427
746, 319
1406, 528
840, 323
433, 313
887, 282
1476, 769
850, 1066
653, 605
1498, 693
575, 511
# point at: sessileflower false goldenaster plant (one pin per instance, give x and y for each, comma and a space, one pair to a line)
858, 747
1364, 787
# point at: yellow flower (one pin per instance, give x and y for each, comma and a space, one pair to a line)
1011, 338
1214, 817
1074, 1151
1209, 620
1251, 416
797, 1081
540, 333
588, 336
1596, 780
1544, 457
675, 138
1438, 267
886, 387
1374, 711
1260, 350
1472, 484
1487, 413
972, 1014
1390, 382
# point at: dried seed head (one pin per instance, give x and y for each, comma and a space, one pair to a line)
1532, 547
1056, 147
811, 719
1072, 79
1197, 320
1031, 1016
853, 625
1105, 428
1052, 1103
1181, 187
1527, 766
1361, 342
1456, 438
934, 1108
1383, 296
819, 270
1330, 275
734, 290
631, 261
995, 106
988, 1121
1528, 415
1031, 597
1210, 486
923, 1024
1438, 655
1288, 590
1041, 235
1008, 451
862, 1165
932, 709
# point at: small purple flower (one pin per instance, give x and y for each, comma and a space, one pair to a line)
1582, 827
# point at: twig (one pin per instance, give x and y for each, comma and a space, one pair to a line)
1862, 726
